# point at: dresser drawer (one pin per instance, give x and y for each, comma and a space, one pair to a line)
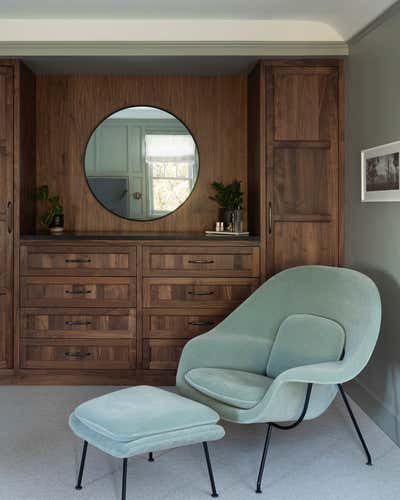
78, 261
78, 292
201, 292
162, 354
179, 324
201, 261
83, 354
78, 323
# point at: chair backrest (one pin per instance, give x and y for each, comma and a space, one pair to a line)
347, 297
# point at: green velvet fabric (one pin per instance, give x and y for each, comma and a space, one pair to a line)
155, 442
143, 411
305, 339
244, 340
233, 387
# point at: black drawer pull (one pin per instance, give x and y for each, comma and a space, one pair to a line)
78, 261
201, 293
77, 354
201, 323
78, 292
78, 323
201, 262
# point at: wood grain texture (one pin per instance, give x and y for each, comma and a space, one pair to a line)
303, 243
78, 323
6, 175
209, 261
303, 164
78, 292
70, 107
82, 354
162, 354
180, 323
6, 214
303, 182
6, 334
78, 261
256, 160
200, 292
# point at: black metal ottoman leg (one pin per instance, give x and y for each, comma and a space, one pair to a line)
124, 469
210, 471
151, 459
82, 466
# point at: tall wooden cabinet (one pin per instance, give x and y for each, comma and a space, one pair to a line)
6, 209
297, 129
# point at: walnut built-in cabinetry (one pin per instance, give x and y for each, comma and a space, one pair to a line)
116, 310
125, 308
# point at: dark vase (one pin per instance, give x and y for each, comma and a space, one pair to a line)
232, 218
57, 224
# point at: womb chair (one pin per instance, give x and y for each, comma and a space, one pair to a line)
283, 354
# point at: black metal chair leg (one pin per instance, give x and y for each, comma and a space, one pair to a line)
151, 459
353, 418
210, 472
82, 466
124, 469
264, 456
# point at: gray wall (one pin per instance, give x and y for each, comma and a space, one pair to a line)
372, 235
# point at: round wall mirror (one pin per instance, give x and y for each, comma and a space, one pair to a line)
141, 163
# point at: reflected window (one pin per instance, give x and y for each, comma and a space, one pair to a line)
170, 161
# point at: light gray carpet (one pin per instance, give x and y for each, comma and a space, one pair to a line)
320, 460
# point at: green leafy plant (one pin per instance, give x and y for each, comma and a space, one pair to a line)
229, 197
53, 202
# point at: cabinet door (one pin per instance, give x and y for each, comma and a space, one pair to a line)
6, 207
302, 166
6, 175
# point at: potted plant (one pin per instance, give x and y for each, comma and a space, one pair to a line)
53, 219
230, 200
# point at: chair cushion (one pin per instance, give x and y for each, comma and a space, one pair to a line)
305, 339
142, 411
233, 387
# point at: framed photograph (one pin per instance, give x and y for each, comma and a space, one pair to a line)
380, 173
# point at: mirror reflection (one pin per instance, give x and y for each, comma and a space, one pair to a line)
141, 163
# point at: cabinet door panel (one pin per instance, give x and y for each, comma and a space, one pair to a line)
305, 103
5, 329
6, 175
302, 145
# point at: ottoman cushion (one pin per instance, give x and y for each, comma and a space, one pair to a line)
155, 442
141, 413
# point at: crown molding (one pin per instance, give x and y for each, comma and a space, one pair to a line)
385, 16
137, 48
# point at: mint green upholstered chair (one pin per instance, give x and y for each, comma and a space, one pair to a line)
283, 354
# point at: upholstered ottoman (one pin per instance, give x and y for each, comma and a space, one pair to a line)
140, 420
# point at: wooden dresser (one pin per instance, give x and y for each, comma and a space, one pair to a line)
120, 311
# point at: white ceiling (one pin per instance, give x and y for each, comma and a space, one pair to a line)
347, 17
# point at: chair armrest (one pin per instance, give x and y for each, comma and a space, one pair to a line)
331, 372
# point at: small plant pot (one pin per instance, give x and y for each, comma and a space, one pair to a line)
57, 224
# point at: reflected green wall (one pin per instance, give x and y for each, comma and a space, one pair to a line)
372, 237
